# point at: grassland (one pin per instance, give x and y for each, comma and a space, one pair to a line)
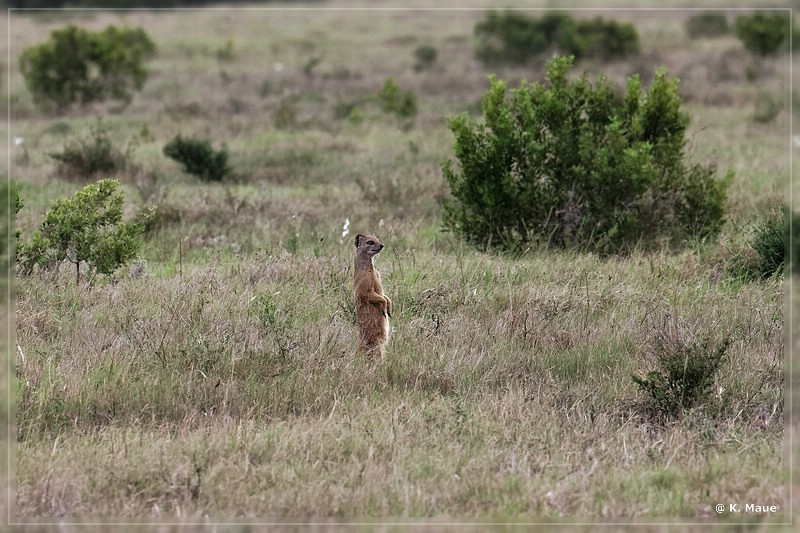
217, 379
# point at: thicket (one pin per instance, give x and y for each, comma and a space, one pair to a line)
514, 38
570, 163
199, 158
84, 229
764, 33
80, 66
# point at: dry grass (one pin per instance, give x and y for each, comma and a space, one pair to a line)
222, 383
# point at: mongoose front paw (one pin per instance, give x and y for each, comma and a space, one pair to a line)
389, 307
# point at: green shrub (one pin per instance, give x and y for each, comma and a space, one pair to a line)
708, 24
792, 241
770, 243
80, 66
685, 374
86, 228
766, 107
226, 52
309, 66
9, 196
395, 100
265, 311
763, 33
606, 40
573, 164
84, 158
285, 116
199, 158
515, 38
424, 56
344, 108
767, 249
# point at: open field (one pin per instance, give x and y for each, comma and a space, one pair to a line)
216, 378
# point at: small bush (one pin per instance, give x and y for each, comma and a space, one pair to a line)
312, 63
285, 116
766, 251
425, 56
84, 158
514, 38
709, 24
770, 243
264, 309
763, 33
685, 374
792, 240
85, 229
226, 52
199, 158
344, 108
9, 196
395, 100
80, 66
766, 108
573, 164
606, 40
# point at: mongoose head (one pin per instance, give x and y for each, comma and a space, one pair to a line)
368, 244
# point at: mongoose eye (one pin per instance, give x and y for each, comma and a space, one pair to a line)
370, 242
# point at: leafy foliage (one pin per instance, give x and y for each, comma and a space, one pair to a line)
393, 99
770, 243
763, 33
685, 375
792, 242
86, 228
425, 56
80, 66
766, 252
515, 38
199, 158
9, 195
573, 164
767, 108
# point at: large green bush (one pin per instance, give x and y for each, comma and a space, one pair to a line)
80, 66
573, 164
514, 38
763, 33
85, 229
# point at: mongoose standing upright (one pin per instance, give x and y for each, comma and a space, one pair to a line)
373, 308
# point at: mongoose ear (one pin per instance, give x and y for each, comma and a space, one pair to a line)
358, 239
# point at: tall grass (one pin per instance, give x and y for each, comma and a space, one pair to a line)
219, 377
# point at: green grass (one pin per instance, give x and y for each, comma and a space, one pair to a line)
223, 380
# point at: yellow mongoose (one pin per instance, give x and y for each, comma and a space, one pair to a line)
373, 308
